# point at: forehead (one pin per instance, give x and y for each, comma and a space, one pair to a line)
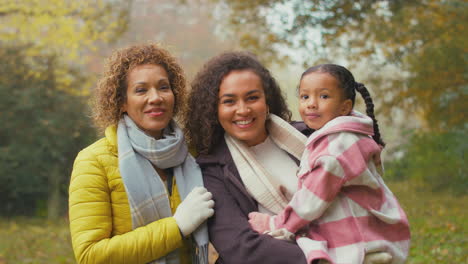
238, 81
146, 70
319, 80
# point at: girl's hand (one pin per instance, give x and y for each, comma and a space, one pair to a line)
259, 222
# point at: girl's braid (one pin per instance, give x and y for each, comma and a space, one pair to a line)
370, 111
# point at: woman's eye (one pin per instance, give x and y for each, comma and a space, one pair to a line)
140, 90
165, 87
253, 98
227, 101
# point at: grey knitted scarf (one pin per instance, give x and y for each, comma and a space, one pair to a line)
145, 190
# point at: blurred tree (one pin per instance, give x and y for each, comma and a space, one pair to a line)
44, 124
437, 160
42, 130
423, 40
185, 29
65, 29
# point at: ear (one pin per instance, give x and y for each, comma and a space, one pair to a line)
346, 107
123, 108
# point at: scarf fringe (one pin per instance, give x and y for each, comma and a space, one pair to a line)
200, 256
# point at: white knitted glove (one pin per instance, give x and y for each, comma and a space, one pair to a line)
194, 210
378, 258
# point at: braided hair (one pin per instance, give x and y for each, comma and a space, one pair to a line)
350, 86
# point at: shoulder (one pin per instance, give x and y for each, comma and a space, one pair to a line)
220, 155
106, 146
95, 160
101, 147
302, 127
336, 142
349, 139
342, 149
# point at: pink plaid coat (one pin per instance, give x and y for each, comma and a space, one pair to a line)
343, 209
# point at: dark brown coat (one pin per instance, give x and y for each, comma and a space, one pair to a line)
229, 230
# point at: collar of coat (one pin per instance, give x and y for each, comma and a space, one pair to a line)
111, 136
221, 155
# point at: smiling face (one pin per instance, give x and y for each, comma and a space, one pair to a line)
242, 108
321, 99
150, 100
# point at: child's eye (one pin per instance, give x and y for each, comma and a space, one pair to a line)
324, 96
304, 97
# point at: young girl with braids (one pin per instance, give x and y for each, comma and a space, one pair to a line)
342, 209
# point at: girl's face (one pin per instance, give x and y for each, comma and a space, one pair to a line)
321, 99
242, 109
150, 100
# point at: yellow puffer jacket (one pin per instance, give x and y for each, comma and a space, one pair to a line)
100, 220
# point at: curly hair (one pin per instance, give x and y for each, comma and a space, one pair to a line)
111, 91
203, 130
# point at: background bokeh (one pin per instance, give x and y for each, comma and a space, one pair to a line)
411, 54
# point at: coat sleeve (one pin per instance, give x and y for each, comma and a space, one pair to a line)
231, 235
317, 189
91, 222
322, 182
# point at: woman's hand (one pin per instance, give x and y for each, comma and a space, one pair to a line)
194, 210
259, 222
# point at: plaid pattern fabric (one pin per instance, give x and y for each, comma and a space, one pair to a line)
343, 209
146, 191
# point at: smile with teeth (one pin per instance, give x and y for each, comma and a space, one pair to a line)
243, 122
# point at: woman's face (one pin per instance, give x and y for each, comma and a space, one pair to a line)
150, 100
242, 109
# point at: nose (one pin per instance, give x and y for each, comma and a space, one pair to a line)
243, 108
154, 97
311, 103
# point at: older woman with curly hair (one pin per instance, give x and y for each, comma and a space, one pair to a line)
136, 195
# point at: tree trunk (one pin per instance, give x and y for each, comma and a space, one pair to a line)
53, 203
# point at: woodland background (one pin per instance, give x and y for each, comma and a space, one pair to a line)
412, 55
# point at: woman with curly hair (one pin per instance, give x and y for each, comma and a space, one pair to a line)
137, 195
249, 151
237, 124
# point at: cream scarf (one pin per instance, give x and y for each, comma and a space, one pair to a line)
257, 180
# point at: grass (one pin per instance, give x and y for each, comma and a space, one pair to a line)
26, 240
438, 226
438, 223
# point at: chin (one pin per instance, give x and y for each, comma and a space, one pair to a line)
243, 138
313, 126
